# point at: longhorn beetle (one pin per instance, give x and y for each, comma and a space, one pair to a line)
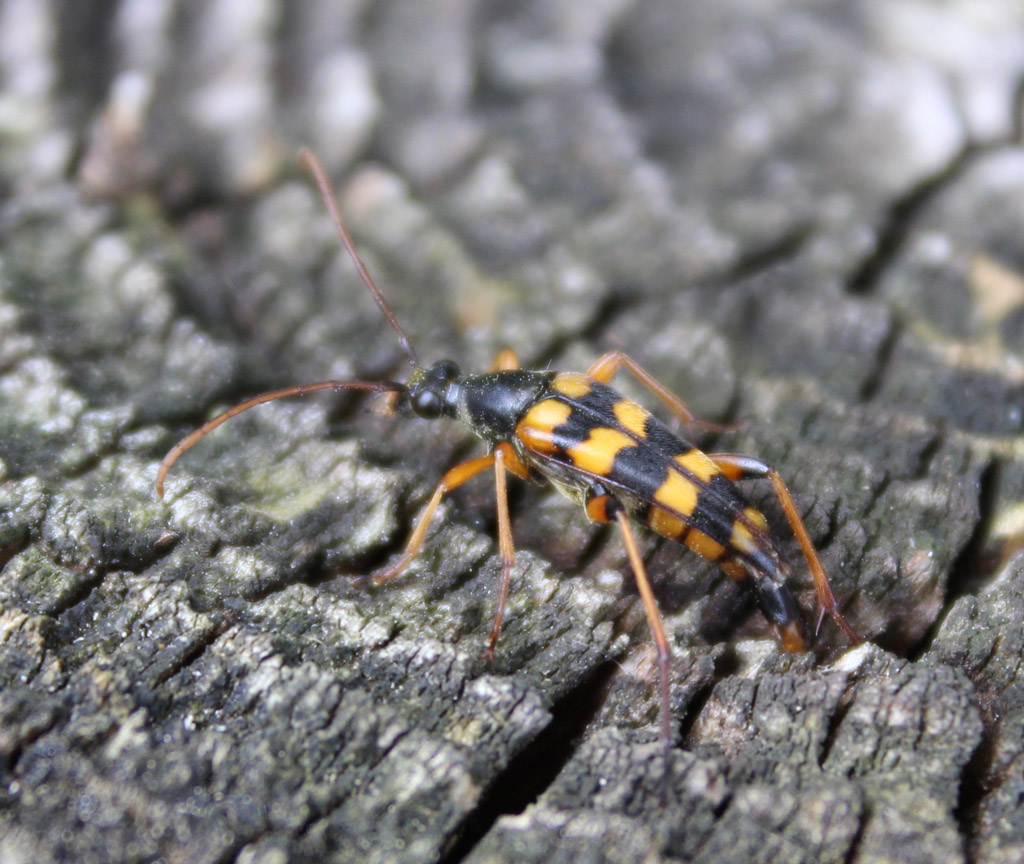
597, 448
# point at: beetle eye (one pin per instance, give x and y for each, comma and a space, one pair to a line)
427, 404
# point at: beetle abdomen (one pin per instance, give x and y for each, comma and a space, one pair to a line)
677, 490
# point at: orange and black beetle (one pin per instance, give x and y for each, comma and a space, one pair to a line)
598, 448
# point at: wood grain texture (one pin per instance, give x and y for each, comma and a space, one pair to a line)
803, 218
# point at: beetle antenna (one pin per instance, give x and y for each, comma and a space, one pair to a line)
311, 162
298, 390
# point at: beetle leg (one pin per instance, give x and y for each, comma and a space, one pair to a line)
508, 553
608, 364
736, 467
454, 478
505, 361
653, 619
602, 506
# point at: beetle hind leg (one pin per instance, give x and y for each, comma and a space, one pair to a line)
615, 511
738, 467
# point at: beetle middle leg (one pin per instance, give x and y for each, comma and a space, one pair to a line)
605, 367
506, 361
505, 459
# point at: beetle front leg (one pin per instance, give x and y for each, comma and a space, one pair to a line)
454, 478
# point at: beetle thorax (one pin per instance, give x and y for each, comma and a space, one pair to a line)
493, 403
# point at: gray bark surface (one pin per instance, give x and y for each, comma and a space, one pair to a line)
804, 218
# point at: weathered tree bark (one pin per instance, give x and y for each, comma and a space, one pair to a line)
803, 218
